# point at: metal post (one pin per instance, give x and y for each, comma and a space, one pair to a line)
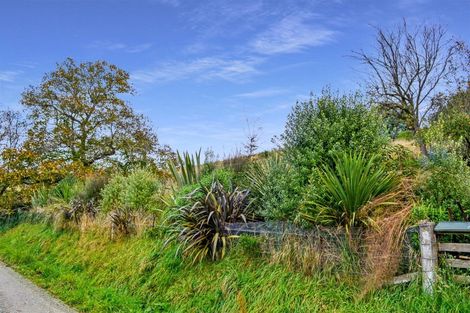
428, 246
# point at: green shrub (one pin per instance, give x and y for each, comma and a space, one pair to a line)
318, 129
401, 159
347, 187
275, 188
446, 184
405, 135
112, 194
75, 198
424, 211
63, 193
222, 175
199, 225
141, 190
450, 127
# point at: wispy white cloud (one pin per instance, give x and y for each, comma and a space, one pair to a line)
119, 46
406, 4
263, 93
26, 64
173, 3
138, 48
207, 130
201, 69
215, 17
293, 33
196, 48
9, 76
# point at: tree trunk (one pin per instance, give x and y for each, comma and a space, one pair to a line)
422, 147
419, 138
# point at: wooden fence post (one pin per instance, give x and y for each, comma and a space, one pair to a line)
428, 247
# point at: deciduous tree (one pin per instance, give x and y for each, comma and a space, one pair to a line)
12, 129
407, 69
79, 113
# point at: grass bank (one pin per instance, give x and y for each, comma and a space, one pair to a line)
93, 274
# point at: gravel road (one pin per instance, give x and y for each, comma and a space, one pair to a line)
19, 295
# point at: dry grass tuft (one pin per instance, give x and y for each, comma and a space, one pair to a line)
123, 223
384, 242
411, 145
241, 300
320, 250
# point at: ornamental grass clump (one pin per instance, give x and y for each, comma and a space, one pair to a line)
199, 226
187, 168
349, 191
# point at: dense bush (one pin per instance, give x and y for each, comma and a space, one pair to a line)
86, 199
425, 211
275, 188
222, 175
451, 131
318, 129
199, 225
450, 127
348, 187
141, 190
401, 159
446, 184
70, 199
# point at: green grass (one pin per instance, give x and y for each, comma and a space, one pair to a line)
95, 275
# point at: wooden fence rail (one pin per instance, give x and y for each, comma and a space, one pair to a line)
431, 250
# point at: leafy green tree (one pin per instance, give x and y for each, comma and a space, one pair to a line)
78, 113
318, 129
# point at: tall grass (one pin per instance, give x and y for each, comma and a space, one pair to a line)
40, 197
93, 274
65, 190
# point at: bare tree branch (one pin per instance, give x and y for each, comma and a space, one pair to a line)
407, 68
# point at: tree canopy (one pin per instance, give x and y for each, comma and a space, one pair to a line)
79, 113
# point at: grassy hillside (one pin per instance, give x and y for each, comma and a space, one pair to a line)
95, 275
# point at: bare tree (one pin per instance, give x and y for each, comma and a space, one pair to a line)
461, 65
252, 137
209, 156
12, 129
408, 67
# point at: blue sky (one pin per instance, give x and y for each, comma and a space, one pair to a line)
203, 68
